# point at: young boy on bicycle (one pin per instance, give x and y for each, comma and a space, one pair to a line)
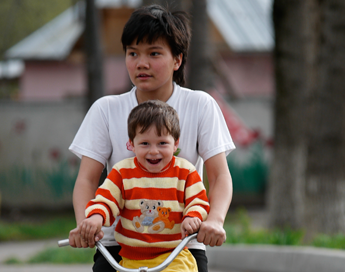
161, 198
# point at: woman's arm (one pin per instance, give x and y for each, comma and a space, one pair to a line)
84, 190
220, 195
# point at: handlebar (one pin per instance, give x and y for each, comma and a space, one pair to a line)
120, 268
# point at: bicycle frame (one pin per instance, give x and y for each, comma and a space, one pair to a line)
120, 268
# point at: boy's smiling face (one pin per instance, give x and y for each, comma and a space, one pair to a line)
150, 68
152, 151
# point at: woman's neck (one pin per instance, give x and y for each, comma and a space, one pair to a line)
154, 95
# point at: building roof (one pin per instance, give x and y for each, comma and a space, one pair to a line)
55, 40
245, 25
52, 41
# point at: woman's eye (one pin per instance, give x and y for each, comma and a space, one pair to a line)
154, 54
132, 54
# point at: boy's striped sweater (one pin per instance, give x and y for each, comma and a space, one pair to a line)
152, 205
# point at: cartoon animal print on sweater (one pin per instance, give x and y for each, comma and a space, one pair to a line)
163, 215
149, 211
154, 216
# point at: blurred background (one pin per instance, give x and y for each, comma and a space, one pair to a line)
276, 69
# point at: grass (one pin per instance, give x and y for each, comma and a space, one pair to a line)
336, 241
65, 255
238, 227
57, 227
55, 255
239, 231
35, 230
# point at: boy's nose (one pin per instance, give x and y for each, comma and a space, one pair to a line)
153, 150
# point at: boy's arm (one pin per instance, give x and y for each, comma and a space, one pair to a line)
196, 202
220, 194
108, 201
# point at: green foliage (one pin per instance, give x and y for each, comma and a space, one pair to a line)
18, 19
66, 255
336, 241
57, 227
46, 186
12, 260
249, 169
239, 231
61, 178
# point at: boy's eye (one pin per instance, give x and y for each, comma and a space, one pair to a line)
144, 143
163, 143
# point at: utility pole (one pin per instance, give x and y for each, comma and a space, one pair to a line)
93, 54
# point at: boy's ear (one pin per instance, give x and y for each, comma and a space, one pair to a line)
178, 61
176, 145
131, 144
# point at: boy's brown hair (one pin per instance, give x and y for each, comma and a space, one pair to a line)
154, 112
150, 23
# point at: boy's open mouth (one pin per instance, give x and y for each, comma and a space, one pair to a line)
154, 161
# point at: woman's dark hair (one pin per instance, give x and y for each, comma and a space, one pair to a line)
150, 23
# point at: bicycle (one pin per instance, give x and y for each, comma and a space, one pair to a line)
120, 268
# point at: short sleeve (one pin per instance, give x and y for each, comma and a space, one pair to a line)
92, 139
213, 133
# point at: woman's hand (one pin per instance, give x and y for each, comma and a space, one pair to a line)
211, 233
75, 239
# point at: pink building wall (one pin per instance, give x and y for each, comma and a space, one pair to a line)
251, 75
53, 80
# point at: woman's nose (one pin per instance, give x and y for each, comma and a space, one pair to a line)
142, 62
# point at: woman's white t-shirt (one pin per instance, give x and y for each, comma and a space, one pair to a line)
103, 135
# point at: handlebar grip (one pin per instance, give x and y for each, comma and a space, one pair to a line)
63, 243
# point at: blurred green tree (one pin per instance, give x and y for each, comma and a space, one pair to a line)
19, 18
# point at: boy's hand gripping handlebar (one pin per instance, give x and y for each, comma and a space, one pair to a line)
120, 268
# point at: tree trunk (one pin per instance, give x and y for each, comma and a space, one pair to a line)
93, 52
325, 175
294, 59
200, 76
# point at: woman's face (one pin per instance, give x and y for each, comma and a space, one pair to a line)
151, 68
